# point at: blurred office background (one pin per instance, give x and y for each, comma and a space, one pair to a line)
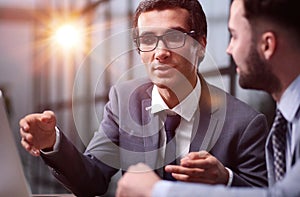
41, 69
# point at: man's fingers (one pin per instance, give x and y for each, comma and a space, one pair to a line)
24, 124
45, 121
201, 159
25, 144
35, 152
183, 170
48, 117
28, 147
195, 156
203, 154
198, 155
190, 174
186, 178
180, 177
174, 169
187, 174
200, 163
26, 136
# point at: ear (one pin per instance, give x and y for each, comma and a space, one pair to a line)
268, 44
201, 48
202, 40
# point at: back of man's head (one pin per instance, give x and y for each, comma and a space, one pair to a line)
284, 13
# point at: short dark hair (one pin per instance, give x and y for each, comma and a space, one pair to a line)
284, 13
197, 19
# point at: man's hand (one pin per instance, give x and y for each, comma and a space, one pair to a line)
38, 132
200, 167
137, 182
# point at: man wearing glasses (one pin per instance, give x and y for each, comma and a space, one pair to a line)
171, 38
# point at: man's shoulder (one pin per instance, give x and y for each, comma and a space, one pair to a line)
134, 83
140, 88
231, 101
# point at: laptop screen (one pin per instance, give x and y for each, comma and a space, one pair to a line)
12, 178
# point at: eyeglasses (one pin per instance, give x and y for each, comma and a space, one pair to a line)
171, 40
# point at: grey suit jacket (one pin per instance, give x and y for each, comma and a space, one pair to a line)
229, 129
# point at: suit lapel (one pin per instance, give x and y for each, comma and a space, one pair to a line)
270, 160
211, 117
296, 153
151, 130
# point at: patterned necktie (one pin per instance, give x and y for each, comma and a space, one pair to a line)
279, 129
171, 124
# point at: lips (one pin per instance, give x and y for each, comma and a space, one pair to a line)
162, 67
163, 71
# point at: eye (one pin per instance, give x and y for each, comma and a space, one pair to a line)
148, 39
174, 37
233, 36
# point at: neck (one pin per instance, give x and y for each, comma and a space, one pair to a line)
173, 96
287, 69
286, 81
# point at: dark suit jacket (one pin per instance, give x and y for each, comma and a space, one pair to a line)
226, 127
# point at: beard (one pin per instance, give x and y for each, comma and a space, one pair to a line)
259, 75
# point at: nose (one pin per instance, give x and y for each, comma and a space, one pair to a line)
161, 51
229, 49
161, 44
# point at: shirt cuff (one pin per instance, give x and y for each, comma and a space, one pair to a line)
229, 183
161, 188
56, 145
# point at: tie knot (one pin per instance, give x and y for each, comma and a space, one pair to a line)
172, 122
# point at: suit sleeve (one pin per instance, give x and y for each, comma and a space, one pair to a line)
88, 174
178, 189
83, 175
289, 186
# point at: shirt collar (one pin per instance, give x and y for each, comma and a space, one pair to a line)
185, 108
289, 103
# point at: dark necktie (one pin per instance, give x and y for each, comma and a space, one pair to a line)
279, 129
171, 124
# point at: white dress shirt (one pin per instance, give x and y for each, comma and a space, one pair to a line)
289, 105
186, 109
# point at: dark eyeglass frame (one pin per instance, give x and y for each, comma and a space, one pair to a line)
192, 33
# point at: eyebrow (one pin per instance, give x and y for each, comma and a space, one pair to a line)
178, 29
181, 29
